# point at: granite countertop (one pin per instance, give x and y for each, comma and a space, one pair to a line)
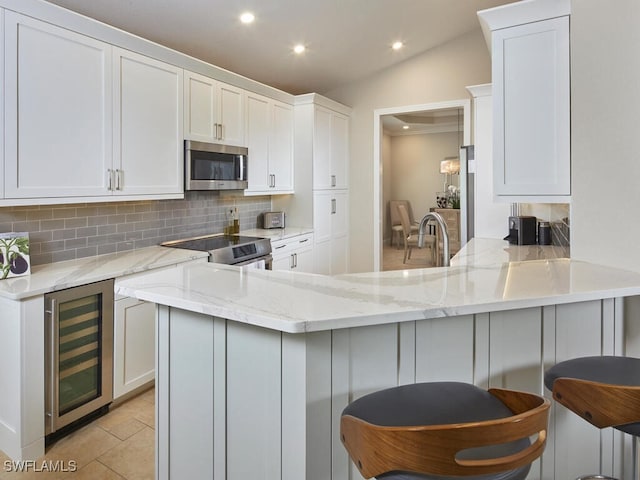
298, 302
60, 275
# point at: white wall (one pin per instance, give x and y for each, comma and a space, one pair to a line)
438, 75
605, 100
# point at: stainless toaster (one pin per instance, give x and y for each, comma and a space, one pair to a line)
273, 220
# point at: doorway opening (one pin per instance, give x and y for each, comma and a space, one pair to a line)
412, 145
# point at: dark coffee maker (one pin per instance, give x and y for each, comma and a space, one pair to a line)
522, 230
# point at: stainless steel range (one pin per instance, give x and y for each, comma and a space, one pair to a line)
230, 249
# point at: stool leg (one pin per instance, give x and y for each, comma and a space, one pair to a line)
634, 458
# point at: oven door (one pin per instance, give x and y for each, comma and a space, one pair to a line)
260, 263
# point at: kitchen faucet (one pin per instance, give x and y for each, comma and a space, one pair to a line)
445, 235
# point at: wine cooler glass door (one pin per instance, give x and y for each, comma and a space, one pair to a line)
80, 344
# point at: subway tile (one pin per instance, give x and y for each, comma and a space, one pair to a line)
56, 224
125, 227
6, 227
65, 212
75, 243
109, 248
41, 259
45, 214
98, 220
133, 236
86, 252
124, 246
75, 222
87, 232
105, 239
63, 234
31, 226
107, 209
63, 255
107, 229
40, 237
56, 246
115, 219
87, 211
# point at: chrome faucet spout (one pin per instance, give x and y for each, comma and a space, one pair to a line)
443, 229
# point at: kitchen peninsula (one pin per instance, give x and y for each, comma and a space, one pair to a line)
255, 367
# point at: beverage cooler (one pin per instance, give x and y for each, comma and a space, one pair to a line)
78, 356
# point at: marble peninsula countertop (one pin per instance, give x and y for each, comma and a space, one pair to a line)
297, 302
71, 273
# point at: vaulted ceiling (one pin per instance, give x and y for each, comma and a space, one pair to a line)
345, 40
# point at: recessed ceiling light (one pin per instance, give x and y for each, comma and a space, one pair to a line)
247, 17
299, 48
397, 45
405, 127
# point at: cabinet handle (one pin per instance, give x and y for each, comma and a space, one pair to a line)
219, 131
118, 179
333, 180
291, 263
305, 240
333, 206
281, 246
53, 358
295, 260
109, 179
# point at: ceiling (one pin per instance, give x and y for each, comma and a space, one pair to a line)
346, 40
430, 121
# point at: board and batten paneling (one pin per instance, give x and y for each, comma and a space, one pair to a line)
277, 398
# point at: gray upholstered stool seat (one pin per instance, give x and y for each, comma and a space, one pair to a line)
375, 428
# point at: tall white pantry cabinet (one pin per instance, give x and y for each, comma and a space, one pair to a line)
321, 179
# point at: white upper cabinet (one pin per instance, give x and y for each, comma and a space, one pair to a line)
85, 120
330, 149
531, 100
214, 111
269, 129
58, 104
148, 125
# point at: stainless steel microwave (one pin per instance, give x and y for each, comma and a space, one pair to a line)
210, 166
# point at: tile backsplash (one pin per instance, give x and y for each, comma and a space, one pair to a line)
66, 232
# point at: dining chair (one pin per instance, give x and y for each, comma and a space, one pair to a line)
396, 224
411, 238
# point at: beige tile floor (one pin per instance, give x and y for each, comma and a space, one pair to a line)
117, 446
392, 258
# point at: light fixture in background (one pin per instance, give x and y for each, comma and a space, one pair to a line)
247, 17
397, 45
299, 49
450, 165
405, 127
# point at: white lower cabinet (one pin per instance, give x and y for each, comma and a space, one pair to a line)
294, 253
134, 345
331, 231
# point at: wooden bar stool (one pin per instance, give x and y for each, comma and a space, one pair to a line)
605, 391
433, 430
